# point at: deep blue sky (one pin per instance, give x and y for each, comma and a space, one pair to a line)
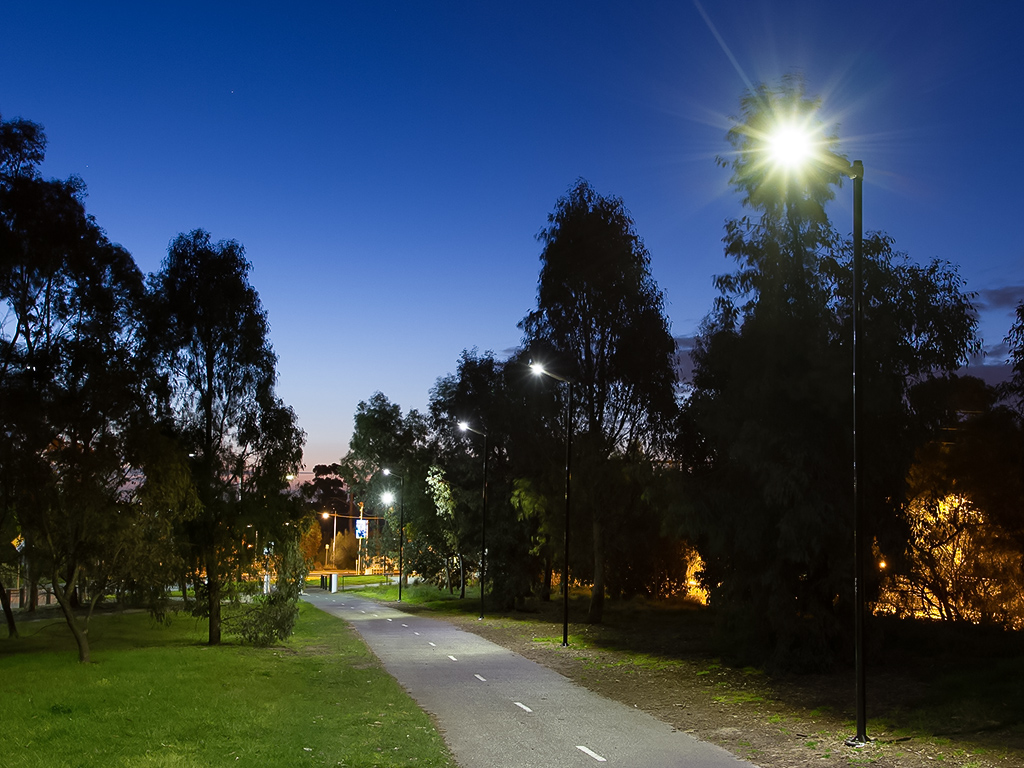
387, 166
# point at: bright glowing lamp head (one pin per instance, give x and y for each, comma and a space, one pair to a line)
463, 425
387, 497
537, 368
325, 515
387, 471
790, 146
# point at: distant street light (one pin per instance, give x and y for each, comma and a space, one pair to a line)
791, 146
464, 426
539, 370
401, 529
334, 555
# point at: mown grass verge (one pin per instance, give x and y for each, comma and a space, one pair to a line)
156, 695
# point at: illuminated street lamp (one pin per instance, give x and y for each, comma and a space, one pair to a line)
540, 370
790, 146
464, 426
325, 514
401, 528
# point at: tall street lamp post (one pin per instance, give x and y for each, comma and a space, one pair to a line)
464, 426
401, 529
334, 555
791, 146
856, 172
539, 370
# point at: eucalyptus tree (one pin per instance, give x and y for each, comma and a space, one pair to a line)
383, 438
600, 317
500, 445
209, 334
81, 480
771, 399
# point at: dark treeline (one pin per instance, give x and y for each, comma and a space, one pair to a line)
736, 485
143, 443
141, 418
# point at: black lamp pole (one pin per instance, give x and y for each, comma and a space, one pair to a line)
856, 171
464, 426
540, 370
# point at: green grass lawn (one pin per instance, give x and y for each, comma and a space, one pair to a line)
156, 695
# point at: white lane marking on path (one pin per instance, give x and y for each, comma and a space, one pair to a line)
431, 644
416, 633
481, 678
590, 752
406, 625
452, 657
390, 619
522, 706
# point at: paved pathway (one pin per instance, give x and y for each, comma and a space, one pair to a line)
497, 709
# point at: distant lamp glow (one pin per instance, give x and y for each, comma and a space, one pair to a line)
388, 498
325, 514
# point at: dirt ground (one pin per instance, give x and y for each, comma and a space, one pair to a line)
771, 722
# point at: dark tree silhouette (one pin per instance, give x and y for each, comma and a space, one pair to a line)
209, 333
601, 317
771, 403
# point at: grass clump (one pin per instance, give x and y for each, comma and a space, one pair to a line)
157, 696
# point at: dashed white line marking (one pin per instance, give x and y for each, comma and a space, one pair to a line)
431, 644
522, 706
481, 678
590, 752
416, 633
406, 625
390, 619
452, 657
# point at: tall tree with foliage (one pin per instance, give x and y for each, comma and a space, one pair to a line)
82, 473
209, 332
487, 394
962, 561
384, 438
600, 316
770, 409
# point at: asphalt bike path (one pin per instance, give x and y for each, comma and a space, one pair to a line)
497, 709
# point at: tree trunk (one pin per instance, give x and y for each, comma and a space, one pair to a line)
596, 612
81, 634
213, 592
32, 582
545, 593
462, 577
5, 598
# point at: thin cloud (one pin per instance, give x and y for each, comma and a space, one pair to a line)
1007, 297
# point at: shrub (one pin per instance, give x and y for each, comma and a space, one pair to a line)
267, 619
